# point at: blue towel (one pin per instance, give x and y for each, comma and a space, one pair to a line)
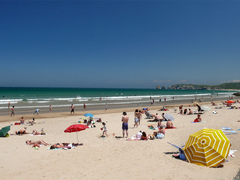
226, 128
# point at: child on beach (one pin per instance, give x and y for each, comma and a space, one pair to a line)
104, 128
198, 119
22, 120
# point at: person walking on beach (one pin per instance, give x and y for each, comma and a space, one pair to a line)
106, 106
139, 116
104, 128
72, 109
50, 108
36, 111
136, 120
84, 107
13, 111
125, 119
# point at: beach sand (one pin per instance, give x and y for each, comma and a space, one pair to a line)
110, 157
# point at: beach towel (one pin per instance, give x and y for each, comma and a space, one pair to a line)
198, 122
133, 139
170, 127
226, 128
228, 132
54, 148
37, 134
231, 152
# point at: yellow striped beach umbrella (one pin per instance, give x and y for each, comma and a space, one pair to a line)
207, 147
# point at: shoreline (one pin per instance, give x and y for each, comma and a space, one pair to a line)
62, 112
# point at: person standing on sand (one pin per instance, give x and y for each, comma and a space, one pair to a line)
84, 107
136, 120
125, 119
106, 106
50, 108
36, 111
72, 109
139, 117
13, 111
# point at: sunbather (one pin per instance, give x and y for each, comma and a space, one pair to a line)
198, 119
32, 122
36, 143
22, 120
190, 112
144, 136
169, 124
35, 132
64, 145
157, 117
160, 133
22, 131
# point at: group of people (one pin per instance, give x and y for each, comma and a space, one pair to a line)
185, 111
53, 146
137, 118
34, 132
22, 121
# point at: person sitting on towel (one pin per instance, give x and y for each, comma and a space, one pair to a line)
198, 119
169, 124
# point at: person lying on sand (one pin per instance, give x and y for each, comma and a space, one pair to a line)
21, 131
144, 136
64, 145
35, 132
36, 143
32, 122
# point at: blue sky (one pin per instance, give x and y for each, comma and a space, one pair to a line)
114, 44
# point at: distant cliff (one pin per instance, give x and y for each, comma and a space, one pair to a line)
206, 87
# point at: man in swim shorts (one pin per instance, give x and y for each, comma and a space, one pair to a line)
125, 119
72, 109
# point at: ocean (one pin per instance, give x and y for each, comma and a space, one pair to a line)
62, 98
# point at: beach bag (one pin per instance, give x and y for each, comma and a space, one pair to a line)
152, 137
160, 136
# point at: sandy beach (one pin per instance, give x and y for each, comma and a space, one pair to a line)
111, 157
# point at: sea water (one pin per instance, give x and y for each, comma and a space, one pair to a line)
32, 98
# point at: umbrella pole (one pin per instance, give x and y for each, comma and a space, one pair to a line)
77, 137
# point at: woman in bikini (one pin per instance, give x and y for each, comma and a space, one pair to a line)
21, 132
64, 145
37, 143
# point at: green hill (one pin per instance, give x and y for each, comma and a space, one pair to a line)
235, 86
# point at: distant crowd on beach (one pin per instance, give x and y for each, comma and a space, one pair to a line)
37, 111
